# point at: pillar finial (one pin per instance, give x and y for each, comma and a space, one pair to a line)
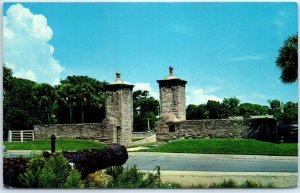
118, 75
171, 70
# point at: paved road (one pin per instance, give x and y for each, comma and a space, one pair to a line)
204, 162
223, 163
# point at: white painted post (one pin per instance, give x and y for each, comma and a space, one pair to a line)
9, 136
32, 135
21, 134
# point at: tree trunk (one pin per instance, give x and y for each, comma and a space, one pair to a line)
70, 114
82, 114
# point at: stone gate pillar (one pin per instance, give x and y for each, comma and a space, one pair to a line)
172, 96
119, 105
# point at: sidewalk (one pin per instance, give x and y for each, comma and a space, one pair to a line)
279, 179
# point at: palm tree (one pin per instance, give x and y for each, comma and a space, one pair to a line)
44, 96
287, 60
66, 93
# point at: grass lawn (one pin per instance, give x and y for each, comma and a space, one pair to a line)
61, 145
228, 146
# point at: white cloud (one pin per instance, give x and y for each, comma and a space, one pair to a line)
26, 49
146, 86
246, 58
201, 96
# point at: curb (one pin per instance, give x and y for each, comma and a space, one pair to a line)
221, 156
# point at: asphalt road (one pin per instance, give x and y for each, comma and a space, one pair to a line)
200, 162
192, 162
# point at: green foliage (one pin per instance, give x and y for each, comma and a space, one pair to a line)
131, 177
215, 109
290, 113
44, 98
73, 180
284, 113
248, 109
255, 184
83, 97
53, 172
230, 106
144, 107
228, 146
224, 184
287, 60
233, 184
194, 112
98, 179
30, 177
19, 109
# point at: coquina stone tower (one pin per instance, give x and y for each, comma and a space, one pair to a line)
119, 106
172, 96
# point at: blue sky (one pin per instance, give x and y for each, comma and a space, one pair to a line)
221, 49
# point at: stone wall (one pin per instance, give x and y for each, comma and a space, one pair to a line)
212, 128
104, 132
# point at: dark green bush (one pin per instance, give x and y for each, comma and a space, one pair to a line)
131, 177
52, 172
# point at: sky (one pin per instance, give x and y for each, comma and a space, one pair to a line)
221, 49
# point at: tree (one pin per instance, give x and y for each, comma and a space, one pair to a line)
44, 96
19, 109
290, 113
275, 108
287, 60
215, 109
230, 106
145, 108
82, 96
66, 94
7, 77
248, 109
194, 112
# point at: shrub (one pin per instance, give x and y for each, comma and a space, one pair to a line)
34, 168
55, 172
224, 184
98, 180
131, 177
50, 172
73, 180
254, 184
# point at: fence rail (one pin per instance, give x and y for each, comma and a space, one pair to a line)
20, 135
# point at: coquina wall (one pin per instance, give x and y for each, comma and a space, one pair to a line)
212, 128
105, 132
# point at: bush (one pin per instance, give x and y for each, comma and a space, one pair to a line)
131, 177
98, 180
34, 167
74, 180
50, 172
224, 184
55, 172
